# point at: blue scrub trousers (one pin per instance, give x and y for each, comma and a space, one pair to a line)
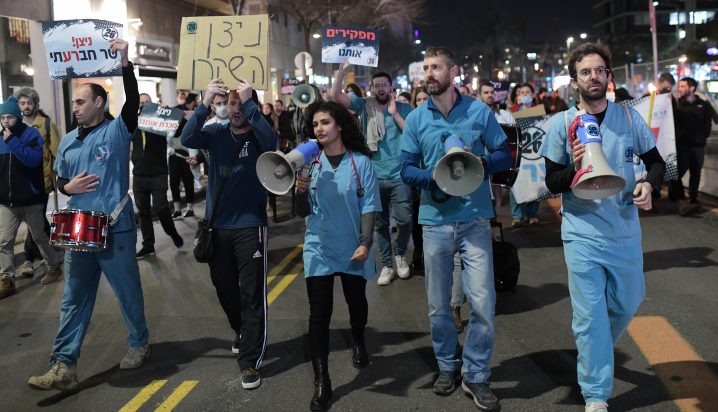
606, 284
82, 277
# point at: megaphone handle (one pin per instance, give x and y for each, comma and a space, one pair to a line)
580, 173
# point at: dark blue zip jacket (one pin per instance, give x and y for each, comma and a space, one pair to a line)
21, 176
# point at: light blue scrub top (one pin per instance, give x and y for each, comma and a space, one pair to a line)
334, 224
615, 217
104, 152
386, 159
473, 121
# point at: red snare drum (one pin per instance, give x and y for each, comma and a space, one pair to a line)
80, 230
508, 177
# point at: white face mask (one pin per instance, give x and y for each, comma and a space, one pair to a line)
527, 100
221, 111
611, 96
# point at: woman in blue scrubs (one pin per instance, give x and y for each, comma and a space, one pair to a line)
339, 198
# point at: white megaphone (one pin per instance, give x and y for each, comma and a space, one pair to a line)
305, 94
459, 172
277, 171
596, 179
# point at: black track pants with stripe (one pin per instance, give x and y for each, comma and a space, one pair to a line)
239, 273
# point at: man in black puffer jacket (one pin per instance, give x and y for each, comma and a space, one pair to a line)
22, 194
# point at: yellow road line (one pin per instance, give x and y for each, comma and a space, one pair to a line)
689, 381
176, 397
286, 280
284, 263
145, 394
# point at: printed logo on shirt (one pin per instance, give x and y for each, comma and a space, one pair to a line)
102, 152
257, 255
629, 154
245, 150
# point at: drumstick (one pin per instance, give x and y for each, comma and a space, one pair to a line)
171, 152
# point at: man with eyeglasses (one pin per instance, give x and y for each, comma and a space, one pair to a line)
602, 237
382, 121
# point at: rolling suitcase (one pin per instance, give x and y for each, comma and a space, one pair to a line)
506, 262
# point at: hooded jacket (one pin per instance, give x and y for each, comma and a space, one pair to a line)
21, 174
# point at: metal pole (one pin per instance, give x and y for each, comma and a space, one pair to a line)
652, 12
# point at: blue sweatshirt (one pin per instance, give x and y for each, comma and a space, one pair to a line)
244, 199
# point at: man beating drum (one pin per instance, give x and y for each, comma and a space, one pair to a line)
93, 168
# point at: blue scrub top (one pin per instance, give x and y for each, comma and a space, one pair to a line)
334, 224
615, 217
386, 159
474, 122
105, 152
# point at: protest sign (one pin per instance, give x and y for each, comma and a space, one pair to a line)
159, 120
501, 91
538, 110
230, 47
81, 48
355, 45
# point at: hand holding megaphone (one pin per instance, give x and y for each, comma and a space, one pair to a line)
277, 172
459, 172
594, 179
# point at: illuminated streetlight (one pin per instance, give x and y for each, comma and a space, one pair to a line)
316, 35
683, 59
583, 35
417, 41
568, 42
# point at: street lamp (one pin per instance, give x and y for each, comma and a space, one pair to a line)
583, 35
568, 42
316, 35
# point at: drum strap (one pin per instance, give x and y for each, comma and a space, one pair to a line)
118, 209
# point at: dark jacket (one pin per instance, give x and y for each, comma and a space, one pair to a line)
21, 175
149, 157
693, 122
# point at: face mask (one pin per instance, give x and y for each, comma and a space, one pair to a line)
526, 100
221, 111
611, 96
223, 121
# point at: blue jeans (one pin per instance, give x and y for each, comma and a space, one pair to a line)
523, 210
82, 276
472, 240
606, 286
395, 196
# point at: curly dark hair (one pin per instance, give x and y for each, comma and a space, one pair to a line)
351, 135
584, 50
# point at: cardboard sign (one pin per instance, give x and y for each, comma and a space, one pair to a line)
355, 45
159, 120
81, 48
230, 47
535, 111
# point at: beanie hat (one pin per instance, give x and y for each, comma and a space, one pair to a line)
11, 107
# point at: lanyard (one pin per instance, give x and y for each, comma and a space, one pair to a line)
317, 160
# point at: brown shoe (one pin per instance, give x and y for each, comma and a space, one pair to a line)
456, 315
51, 275
7, 287
27, 270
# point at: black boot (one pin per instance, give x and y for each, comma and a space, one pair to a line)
322, 384
360, 358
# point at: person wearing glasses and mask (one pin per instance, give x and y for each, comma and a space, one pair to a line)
382, 121
339, 197
602, 237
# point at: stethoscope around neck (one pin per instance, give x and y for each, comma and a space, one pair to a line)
317, 161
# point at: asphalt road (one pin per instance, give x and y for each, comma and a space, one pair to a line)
668, 361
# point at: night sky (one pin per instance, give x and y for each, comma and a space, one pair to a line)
574, 17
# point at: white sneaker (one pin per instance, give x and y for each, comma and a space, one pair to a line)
402, 267
596, 407
386, 276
